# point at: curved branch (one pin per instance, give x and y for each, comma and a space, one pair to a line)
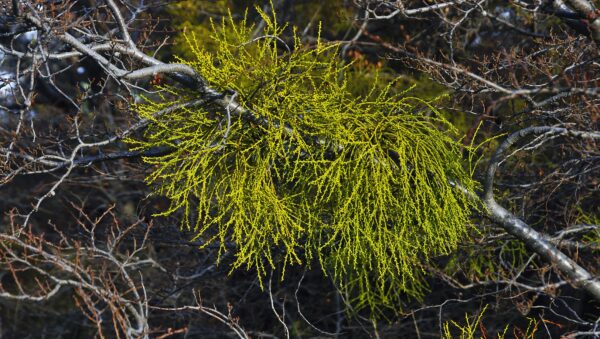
518, 135
518, 228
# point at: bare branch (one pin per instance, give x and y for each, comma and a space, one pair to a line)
515, 226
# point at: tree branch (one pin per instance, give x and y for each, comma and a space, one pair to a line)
518, 228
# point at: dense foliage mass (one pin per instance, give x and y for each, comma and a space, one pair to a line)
302, 169
299, 168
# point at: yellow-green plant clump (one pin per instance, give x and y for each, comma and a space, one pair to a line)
304, 171
474, 328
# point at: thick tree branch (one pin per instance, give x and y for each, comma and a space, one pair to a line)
515, 226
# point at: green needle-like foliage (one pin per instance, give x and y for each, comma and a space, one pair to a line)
310, 172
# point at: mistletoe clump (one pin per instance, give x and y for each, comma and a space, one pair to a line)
299, 170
